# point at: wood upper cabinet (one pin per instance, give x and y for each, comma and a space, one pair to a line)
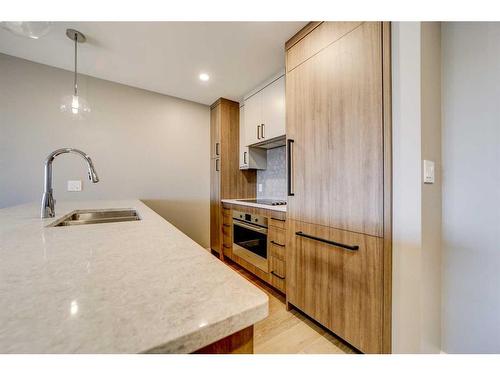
334, 116
215, 129
227, 180
340, 288
265, 113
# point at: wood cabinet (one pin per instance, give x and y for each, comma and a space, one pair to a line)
335, 121
338, 137
340, 288
275, 271
226, 178
265, 113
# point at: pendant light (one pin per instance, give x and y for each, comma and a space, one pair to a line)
75, 104
33, 30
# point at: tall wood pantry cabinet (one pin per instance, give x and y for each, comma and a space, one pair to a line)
339, 175
227, 181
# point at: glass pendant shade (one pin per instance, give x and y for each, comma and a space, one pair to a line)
33, 30
75, 105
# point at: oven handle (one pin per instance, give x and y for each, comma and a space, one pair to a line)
255, 228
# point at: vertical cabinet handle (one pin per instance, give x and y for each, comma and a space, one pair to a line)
217, 165
290, 178
217, 148
262, 131
244, 157
258, 131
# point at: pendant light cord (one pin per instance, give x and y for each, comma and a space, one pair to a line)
76, 47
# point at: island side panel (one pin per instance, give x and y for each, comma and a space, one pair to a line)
240, 342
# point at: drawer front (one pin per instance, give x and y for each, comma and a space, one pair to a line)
278, 283
277, 236
227, 236
339, 287
277, 267
227, 220
226, 212
277, 222
277, 251
277, 273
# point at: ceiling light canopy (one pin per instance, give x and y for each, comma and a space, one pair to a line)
204, 77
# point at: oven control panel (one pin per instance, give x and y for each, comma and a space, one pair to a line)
249, 218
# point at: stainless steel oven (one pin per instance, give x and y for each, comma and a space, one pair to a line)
250, 238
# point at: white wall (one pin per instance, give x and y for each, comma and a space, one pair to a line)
144, 145
407, 231
471, 187
416, 323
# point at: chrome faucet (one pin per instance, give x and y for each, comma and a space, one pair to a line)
47, 198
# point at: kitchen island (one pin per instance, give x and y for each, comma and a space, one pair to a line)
127, 287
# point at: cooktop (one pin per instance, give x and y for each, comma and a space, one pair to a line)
269, 202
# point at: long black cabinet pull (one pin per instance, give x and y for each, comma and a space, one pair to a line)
275, 243
338, 244
278, 276
289, 143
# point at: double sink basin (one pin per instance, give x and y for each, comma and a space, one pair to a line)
81, 217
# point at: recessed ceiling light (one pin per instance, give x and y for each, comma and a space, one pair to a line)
204, 77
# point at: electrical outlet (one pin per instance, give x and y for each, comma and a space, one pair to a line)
259, 186
75, 185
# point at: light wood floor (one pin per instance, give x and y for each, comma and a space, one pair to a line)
289, 332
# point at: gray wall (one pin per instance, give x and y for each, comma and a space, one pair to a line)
273, 178
471, 187
145, 145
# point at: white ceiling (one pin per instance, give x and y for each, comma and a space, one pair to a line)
166, 57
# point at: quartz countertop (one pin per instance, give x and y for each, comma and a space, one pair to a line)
241, 202
128, 287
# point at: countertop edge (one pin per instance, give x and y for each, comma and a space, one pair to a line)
256, 205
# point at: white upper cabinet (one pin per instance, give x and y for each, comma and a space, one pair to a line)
265, 113
273, 109
250, 158
253, 118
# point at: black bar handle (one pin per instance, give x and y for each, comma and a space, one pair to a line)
275, 243
275, 218
278, 276
289, 143
338, 244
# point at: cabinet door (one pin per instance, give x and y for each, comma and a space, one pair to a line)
340, 288
243, 147
215, 208
215, 130
334, 115
273, 109
253, 119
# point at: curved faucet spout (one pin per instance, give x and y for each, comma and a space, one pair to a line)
48, 201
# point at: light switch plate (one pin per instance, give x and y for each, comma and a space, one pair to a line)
75, 185
429, 172
259, 188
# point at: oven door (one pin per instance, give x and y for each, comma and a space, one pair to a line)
250, 237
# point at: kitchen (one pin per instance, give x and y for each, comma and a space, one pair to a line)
262, 192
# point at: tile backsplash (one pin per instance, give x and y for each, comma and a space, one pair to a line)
273, 179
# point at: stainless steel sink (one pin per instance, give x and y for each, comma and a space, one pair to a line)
81, 217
